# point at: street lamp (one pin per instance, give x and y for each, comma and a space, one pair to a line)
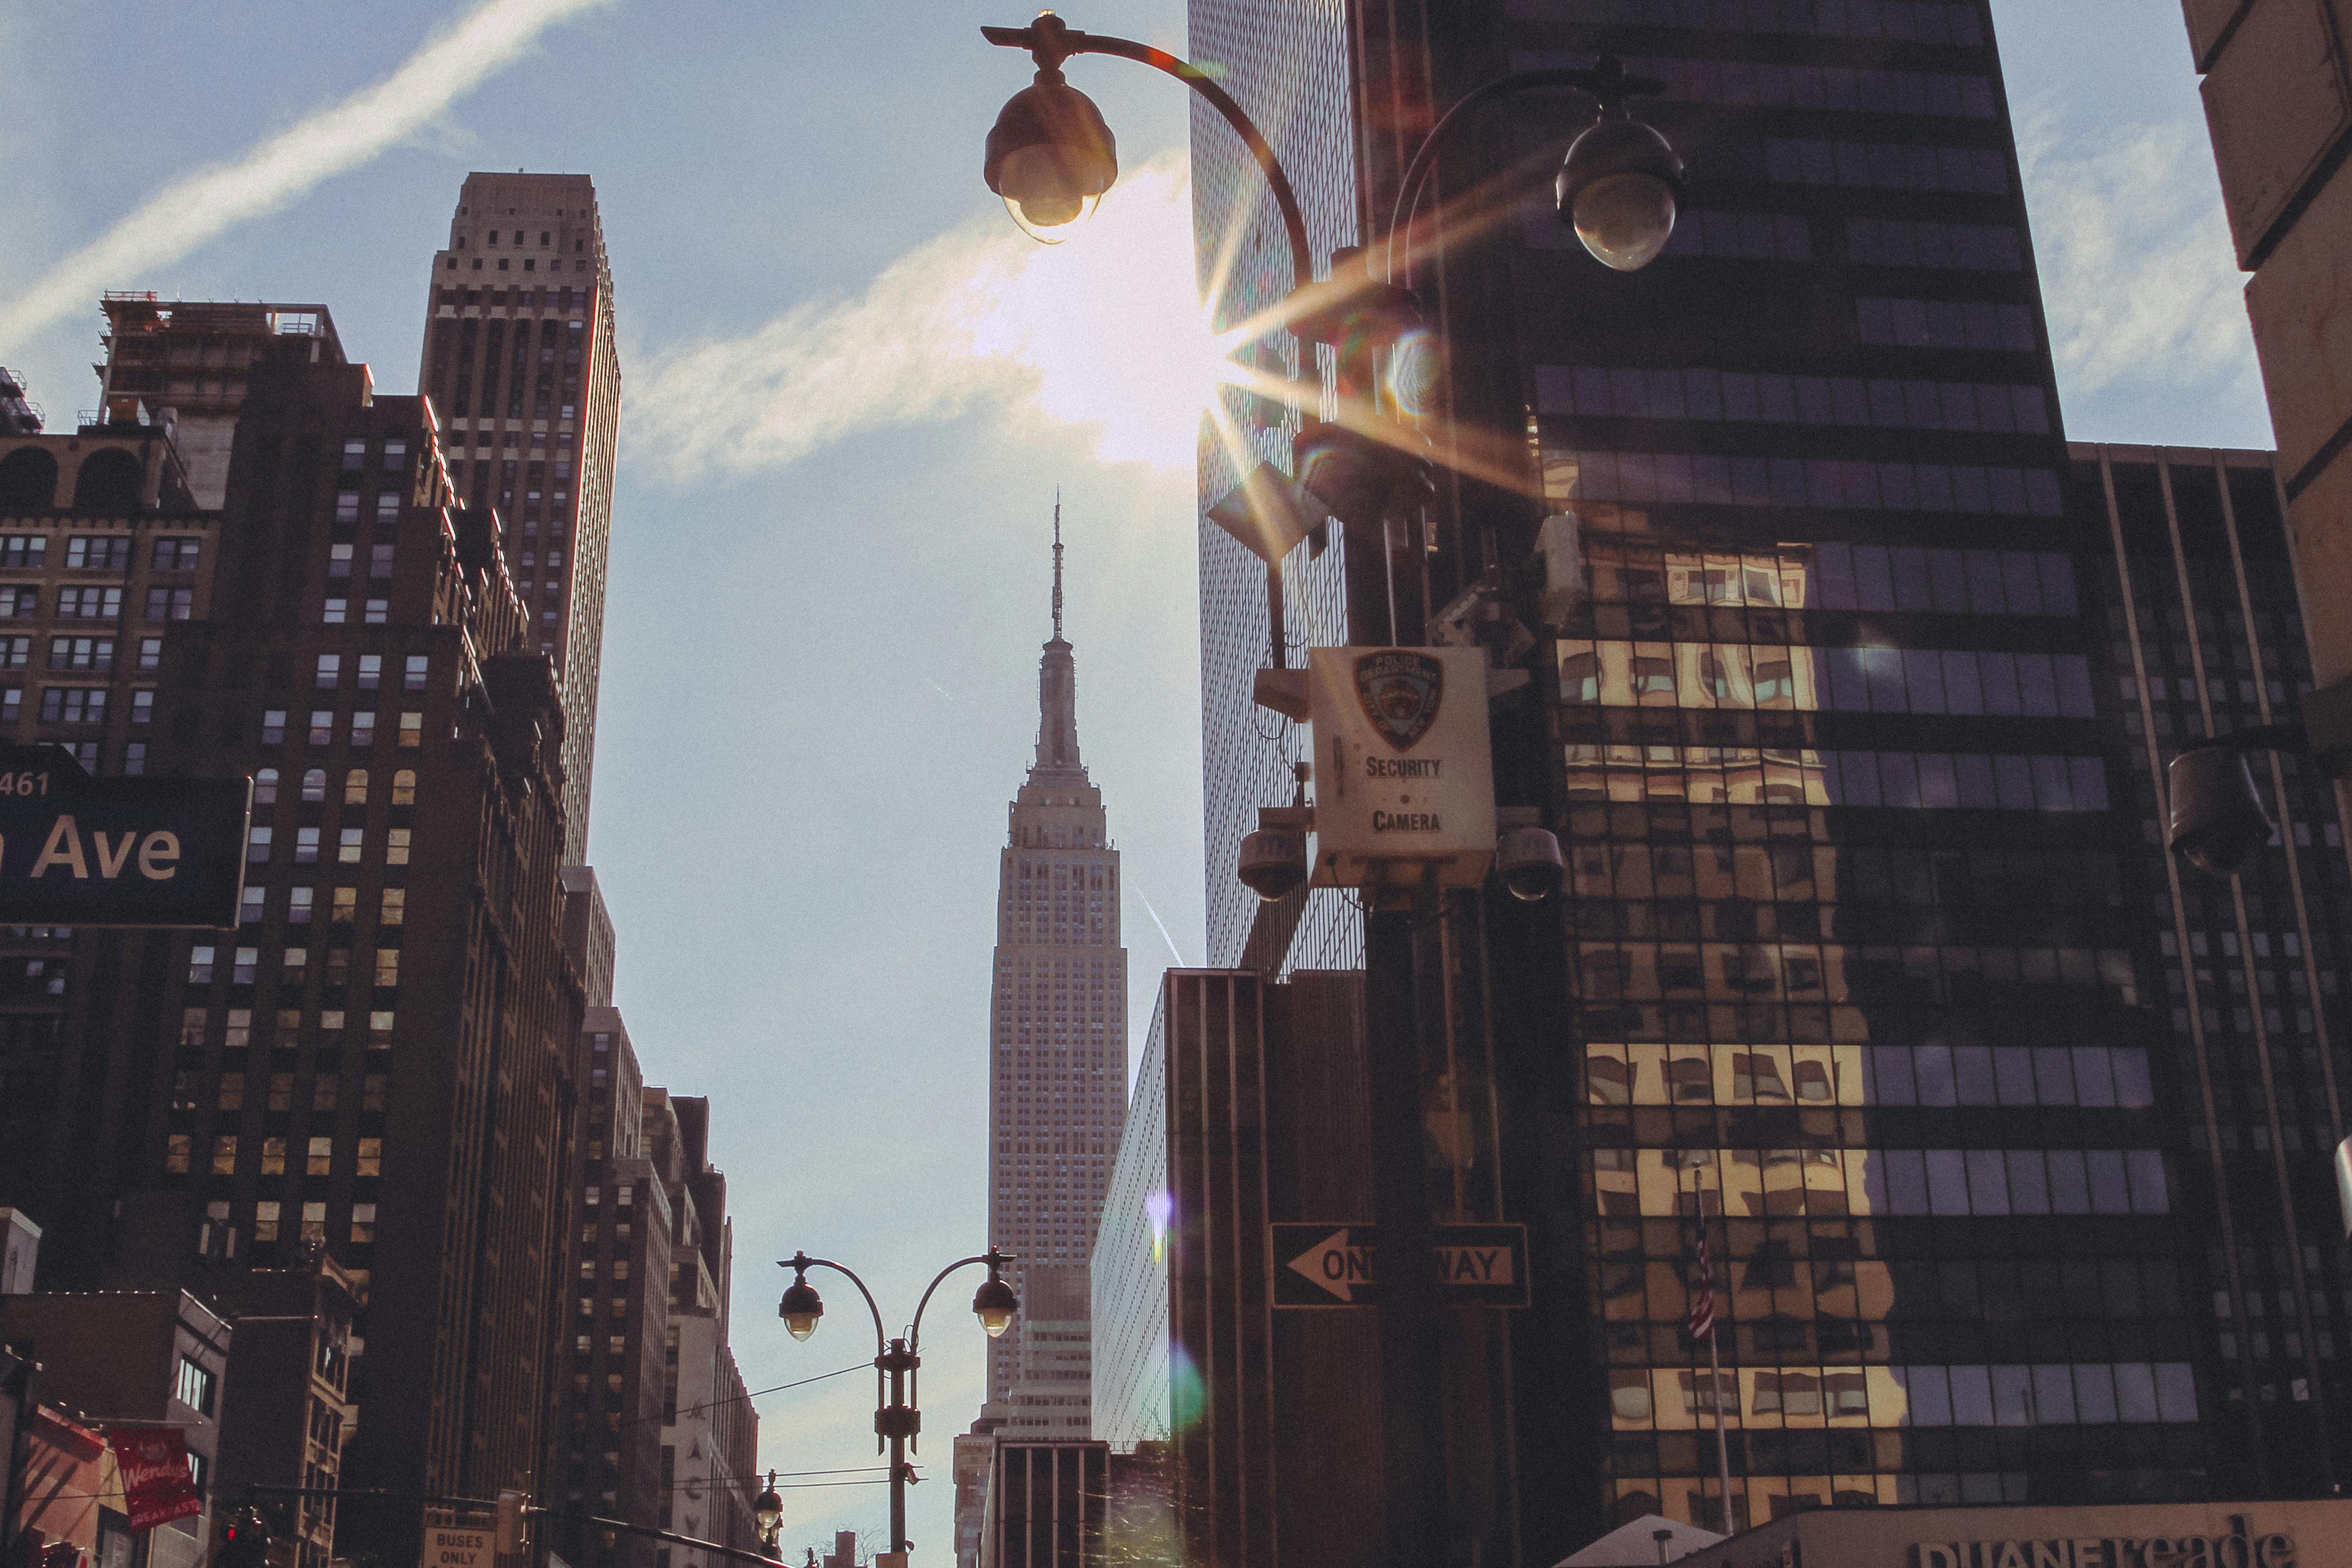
768, 1513
897, 1418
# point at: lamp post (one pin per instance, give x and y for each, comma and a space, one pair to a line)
1051, 156
897, 1420
768, 1513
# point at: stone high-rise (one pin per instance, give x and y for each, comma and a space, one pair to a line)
1058, 1039
520, 365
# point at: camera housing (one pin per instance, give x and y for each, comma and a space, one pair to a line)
2218, 820
1274, 861
1529, 862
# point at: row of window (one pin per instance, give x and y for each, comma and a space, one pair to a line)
368, 671
530, 264
318, 1157
245, 963
347, 510
1910, 21
1662, 1184
2097, 1077
1829, 679
1945, 324
1741, 398
350, 847
1886, 165
355, 786
2057, 1394
238, 1024
342, 910
97, 552
1956, 581
1746, 235
1762, 84
20, 602
1613, 971
1710, 479
1929, 780
337, 612
321, 731
524, 299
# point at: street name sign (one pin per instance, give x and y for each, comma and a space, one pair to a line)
449, 1543
82, 851
1324, 1264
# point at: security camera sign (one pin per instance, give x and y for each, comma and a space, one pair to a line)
1404, 785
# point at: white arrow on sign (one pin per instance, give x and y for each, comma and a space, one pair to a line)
1335, 1265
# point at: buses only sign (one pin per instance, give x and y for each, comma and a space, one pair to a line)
82, 851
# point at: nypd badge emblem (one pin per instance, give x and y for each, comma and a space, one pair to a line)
1400, 690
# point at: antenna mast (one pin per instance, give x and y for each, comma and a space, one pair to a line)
1057, 563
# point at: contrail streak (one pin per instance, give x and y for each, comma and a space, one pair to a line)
199, 205
1158, 921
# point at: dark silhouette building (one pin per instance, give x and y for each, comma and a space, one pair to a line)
521, 362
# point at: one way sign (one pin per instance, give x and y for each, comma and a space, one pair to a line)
1339, 1265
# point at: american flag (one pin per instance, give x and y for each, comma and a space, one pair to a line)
1702, 1301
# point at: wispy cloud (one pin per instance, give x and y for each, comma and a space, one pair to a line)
199, 205
1102, 331
2135, 255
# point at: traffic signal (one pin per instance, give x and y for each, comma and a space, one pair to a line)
509, 1535
244, 1541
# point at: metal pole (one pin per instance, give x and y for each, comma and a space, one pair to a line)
1722, 1449
897, 1424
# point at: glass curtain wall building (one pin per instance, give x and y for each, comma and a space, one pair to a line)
1864, 965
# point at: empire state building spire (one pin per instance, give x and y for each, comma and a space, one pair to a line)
1058, 685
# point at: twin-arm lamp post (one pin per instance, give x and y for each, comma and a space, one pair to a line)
897, 1420
1052, 157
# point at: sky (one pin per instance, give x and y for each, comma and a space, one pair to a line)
851, 393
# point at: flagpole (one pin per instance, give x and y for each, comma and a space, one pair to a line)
1722, 1449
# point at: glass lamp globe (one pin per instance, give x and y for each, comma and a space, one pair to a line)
1619, 187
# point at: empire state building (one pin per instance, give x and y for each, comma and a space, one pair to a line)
1058, 1043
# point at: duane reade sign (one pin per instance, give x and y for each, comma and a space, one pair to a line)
1404, 780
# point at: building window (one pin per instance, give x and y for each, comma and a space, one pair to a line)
151, 653
370, 1158
396, 847
363, 729
135, 760
90, 603
337, 613
371, 673
177, 1150
355, 785
273, 1156
256, 847
378, 611
404, 787
330, 671
314, 1222
413, 679
320, 1159
17, 603
363, 1223
73, 704
346, 906
395, 909
265, 1220
273, 726
200, 972
298, 902
249, 908
387, 966
387, 509
143, 706
195, 1387
347, 509
176, 555
171, 604
347, 849
412, 728
322, 727
224, 1154
98, 552
306, 847
81, 653
379, 561
248, 959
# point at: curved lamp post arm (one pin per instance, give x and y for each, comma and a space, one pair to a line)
800, 1263
1050, 45
1606, 81
993, 1257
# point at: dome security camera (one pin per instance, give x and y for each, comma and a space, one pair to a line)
1528, 860
1274, 861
